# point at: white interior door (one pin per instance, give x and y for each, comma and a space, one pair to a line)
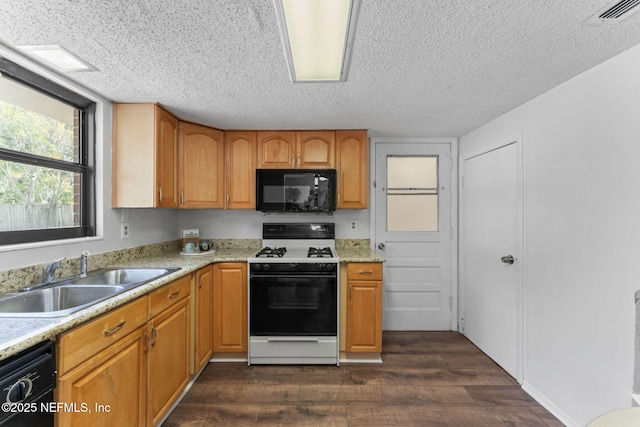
491, 230
413, 231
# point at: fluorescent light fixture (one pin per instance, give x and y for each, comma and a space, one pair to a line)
59, 57
317, 36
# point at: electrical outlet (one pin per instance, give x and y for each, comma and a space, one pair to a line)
125, 231
353, 225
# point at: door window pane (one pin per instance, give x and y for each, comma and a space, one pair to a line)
412, 193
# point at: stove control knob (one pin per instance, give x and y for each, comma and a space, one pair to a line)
331, 267
293, 266
266, 267
256, 267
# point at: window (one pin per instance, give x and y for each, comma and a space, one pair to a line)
47, 181
412, 193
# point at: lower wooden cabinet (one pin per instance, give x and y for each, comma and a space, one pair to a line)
230, 307
202, 299
168, 359
128, 366
364, 308
111, 384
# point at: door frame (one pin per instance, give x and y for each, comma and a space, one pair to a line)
520, 254
453, 143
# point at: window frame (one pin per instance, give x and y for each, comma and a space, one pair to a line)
86, 157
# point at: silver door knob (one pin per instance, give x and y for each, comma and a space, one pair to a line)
381, 246
509, 259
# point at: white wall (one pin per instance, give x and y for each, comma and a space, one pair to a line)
582, 236
241, 224
147, 225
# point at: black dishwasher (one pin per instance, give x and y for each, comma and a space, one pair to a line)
27, 381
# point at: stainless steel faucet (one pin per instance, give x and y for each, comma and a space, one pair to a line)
83, 264
50, 271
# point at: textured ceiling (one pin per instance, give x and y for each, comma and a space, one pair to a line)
418, 69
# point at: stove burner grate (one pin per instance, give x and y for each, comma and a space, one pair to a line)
320, 253
271, 252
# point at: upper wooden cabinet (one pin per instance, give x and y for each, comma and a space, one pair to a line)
276, 149
292, 150
200, 166
316, 149
240, 184
351, 166
144, 151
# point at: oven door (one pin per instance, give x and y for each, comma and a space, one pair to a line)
300, 305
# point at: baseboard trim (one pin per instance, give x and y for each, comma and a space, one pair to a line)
549, 406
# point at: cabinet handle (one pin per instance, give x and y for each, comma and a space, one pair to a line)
113, 330
182, 198
293, 161
200, 282
298, 161
228, 199
154, 332
146, 347
160, 195
175, 294
365, 272
338, 198
350, 292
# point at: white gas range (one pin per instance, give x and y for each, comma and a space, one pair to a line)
293, 296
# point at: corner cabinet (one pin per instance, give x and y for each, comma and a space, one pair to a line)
240, 167
144, 157
200, 167
352, 168
364, 308
230, 333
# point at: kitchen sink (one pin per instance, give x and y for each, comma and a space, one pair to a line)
122, 276
55, 301
66, 296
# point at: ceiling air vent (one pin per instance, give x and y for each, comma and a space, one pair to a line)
614, 13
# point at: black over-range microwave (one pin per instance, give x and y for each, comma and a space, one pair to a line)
296, 190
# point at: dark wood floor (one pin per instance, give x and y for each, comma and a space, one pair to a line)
427, 379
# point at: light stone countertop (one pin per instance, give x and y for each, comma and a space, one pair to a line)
17, 334
358, 255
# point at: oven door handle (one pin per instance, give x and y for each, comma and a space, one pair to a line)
292, 339
292, 276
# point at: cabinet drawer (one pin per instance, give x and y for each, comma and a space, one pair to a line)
169, 294
364, 271
83, 342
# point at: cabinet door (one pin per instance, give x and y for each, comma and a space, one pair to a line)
230, 307
168, 359
203, 317
276, 150
351, 165
166, 159
201, 166
240, 152
112, 384
316, 149
364, 316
